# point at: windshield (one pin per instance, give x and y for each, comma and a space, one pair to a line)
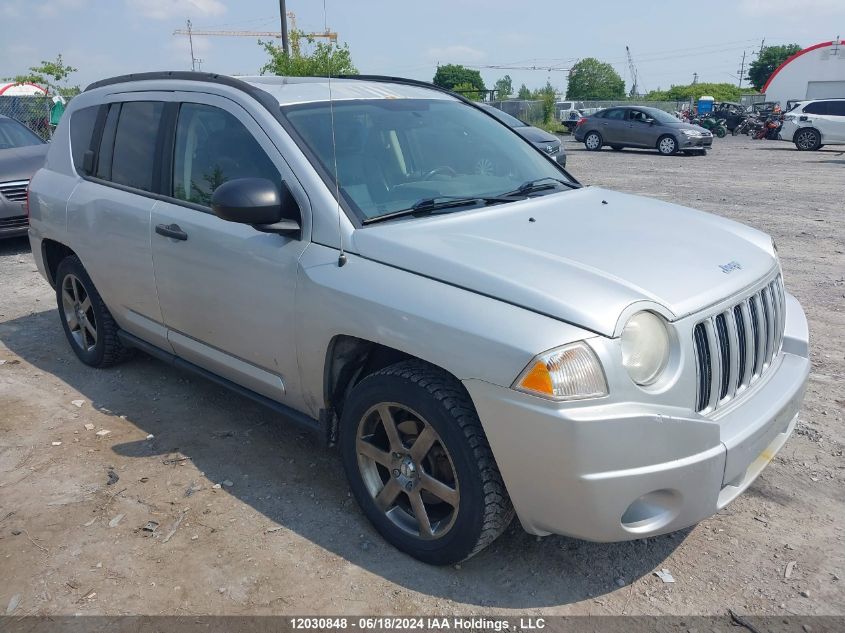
393, 153
14, 134
504, 117
660, 115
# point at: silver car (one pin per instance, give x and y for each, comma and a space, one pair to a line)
22, 153
642, 127
478, 342
542, 140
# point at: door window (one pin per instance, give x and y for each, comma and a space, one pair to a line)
817, 107
212, 147
617, 114
639, 116
836, 108
133, 157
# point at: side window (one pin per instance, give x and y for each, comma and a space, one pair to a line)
212, 146
617, 114
638, 115
133, 157
836, 108
817, 107
81, 130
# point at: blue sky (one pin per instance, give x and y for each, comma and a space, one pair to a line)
669, 40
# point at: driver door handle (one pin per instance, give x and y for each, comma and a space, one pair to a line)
171, 230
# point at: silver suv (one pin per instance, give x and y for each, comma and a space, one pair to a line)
388, 265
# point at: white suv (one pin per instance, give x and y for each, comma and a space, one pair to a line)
813, 124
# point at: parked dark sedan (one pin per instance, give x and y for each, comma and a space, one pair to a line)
635, 126
547, 143
22, 153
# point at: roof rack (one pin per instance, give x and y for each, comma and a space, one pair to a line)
406, 82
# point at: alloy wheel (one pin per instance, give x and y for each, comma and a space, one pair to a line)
806, 139
407, 470
79, 313
667, 145
592, 141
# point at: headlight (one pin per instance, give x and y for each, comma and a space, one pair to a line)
645, 347
571, 372
691, 132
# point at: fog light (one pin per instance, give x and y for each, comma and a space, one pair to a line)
652, 511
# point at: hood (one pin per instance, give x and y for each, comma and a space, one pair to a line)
20, 163
589, 254
536, 135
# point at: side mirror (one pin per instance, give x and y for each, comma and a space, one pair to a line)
650, 121
256, 201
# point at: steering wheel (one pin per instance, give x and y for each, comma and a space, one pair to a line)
443, 169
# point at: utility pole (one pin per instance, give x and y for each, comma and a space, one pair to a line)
694, 78
762, 46
283, 14
191, 41
741, 70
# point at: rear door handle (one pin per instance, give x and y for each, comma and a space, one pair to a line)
171, 230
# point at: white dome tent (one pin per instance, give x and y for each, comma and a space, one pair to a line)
817, 72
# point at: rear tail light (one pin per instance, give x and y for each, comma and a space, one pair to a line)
582, 120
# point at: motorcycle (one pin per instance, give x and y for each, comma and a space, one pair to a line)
749, 125
770, 130
716, 126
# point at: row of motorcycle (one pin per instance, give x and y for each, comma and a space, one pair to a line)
757, 126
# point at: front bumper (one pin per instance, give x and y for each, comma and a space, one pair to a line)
690, 142
621, 471
13, 219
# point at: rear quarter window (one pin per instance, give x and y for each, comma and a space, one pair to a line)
82, 124
818, 107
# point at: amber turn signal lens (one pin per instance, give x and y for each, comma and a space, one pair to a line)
538, 379
571, 372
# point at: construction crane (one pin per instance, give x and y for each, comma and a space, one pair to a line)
295, 35
635, 91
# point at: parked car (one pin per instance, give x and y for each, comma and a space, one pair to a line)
22, 152
630, 126
542, 140
814, 124
479, 343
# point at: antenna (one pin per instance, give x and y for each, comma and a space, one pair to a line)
341, 259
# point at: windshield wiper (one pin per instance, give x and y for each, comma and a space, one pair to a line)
539, 184
427, 206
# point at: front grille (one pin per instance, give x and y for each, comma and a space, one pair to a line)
17, 222
14, 191
735, 347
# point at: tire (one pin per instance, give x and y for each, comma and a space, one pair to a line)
390, 482
593, 141
720, 131
87, 322
667, 145
807, 139
617, 148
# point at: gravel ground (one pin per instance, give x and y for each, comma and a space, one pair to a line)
282, 535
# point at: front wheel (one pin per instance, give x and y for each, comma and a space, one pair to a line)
720, 131
420, 466
593, 141
667, 145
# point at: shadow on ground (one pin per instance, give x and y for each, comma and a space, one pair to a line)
14, 245
292, 480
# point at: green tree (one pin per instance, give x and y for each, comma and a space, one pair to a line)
504, 87
469, 91
547, 96
720, 92
321, 59
767, 62
592, 79
452, 75
524, 92
51, 75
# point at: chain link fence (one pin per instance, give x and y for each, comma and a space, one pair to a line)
33, 112
530, 111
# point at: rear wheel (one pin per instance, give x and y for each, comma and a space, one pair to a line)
87, 322
593, 141
419, 464
667, 145
808, 139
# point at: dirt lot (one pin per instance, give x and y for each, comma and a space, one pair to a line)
282, 534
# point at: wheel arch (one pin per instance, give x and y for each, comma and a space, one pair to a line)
53, 253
